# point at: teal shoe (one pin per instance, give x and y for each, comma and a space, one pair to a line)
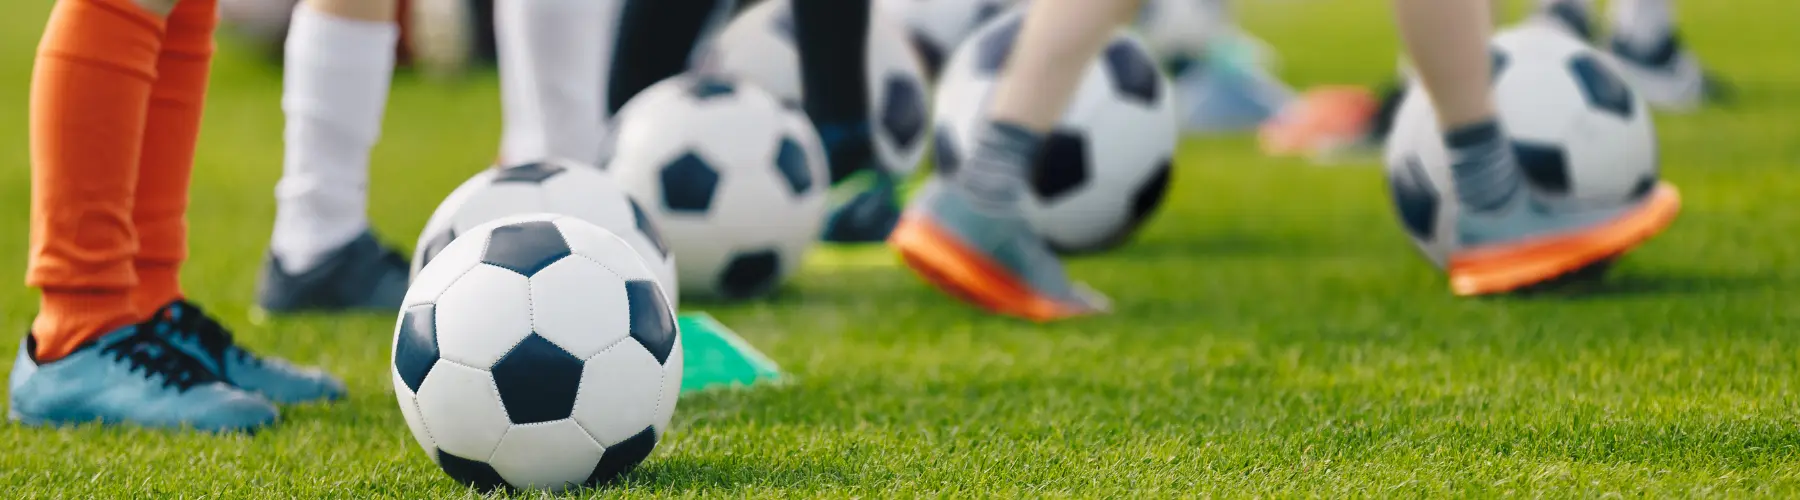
994, 261
870, 212
188, 328
1527, 242
130, 376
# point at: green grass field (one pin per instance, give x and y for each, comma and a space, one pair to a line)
1276, 336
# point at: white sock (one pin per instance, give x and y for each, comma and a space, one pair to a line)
554, 55
334, 93
1643, 23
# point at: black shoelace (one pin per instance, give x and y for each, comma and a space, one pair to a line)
192, 323
144, 350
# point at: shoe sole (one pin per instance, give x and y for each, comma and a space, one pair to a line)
970, 276
1508, 267
1307, 133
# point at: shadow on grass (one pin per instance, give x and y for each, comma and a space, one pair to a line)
1596, 283
690, 474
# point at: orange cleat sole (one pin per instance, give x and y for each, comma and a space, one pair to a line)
970, 276
1508, 267
1320, 120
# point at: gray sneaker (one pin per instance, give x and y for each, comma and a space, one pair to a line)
363, 275
1528, 243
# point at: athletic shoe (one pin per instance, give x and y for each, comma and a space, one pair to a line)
130, 376
186, 327
1527, 242
865, 205
1215, 99
1323, 123
1668, 76
363, 274
992, 261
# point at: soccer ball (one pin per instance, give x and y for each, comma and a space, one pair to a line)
735, 181
537, 352
759, 46
552, 186
1106, 166
938, 26
1584, 139
1181, 29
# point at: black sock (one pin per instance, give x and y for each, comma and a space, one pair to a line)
832, 36
655, 39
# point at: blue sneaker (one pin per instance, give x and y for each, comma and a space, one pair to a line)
130, 376
363, 275
188, 328
994, 261
865, 201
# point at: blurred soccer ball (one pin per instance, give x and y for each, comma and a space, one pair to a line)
938, 26
1584, 139
1104, 169
759, 46
552, 186
537, 352
735, 180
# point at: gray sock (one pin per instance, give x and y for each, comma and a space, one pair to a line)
1482, 163
994, 177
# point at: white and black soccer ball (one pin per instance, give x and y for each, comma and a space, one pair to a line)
1583, 138
537, 352
759, 45
937, 27
735, 181
548, 186
1104, 169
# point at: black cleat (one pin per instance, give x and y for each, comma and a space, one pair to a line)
363, 275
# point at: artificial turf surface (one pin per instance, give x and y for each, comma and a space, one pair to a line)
1275, 335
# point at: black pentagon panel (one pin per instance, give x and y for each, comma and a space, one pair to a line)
1132, 72
929, 54
750, 274
706, 86
646, 226
415, 347
622, 457
790, 161
472, 473
435, 246
688, 184
651, 323
1602, 88
1061, 167
1643, 188
525, 247
1150, 196
529, 173
945, 158
537, 381
991, 55
1545, 165
1499, 62
903, 112
1414, 198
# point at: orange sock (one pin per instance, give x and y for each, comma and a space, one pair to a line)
168, 158
90, 93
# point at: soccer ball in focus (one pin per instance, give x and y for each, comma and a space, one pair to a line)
1104, 169
938, 26
1583, 138
550, 186
759, 46
537, 352
735, 181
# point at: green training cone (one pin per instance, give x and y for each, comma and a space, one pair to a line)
715, 356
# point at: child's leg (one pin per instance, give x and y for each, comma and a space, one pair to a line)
970, 239
833, 46
552, 77
1448, 44
90, 95
340, 59
173, 127
655, 38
